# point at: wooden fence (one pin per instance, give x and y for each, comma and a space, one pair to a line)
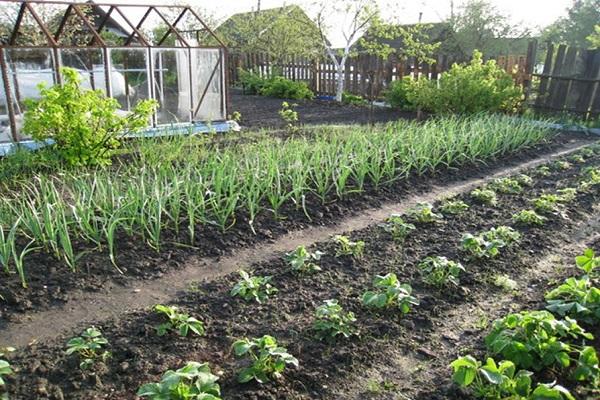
569, 81
365, 75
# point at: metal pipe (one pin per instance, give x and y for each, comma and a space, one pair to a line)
7, 91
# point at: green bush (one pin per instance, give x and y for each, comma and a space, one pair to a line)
353, 99
465, 89
283, 88
396, 94
83, 124
251, 81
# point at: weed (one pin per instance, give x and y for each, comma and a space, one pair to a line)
268, 358
439, 271
256, 288
346, 247
484, 196
331, 321
180, 322
89, 346
194, 381
389, 292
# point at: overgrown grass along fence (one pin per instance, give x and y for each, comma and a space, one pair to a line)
181, 184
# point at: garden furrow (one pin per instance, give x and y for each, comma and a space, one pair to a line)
84, 307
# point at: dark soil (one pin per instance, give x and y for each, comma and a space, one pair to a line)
262, 112
51, 284
409, 354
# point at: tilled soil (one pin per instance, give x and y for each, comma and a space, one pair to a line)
51, 285
394, 357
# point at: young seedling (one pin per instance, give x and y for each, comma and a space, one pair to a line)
488, 244
528, 217
507, 186
577, 158
502, 381
547, 203
346, 247
5, 368
289, 115
439, 271
388, 293
256, 288
484, 196
454, 207
543, 170
561, 165
194, 381
89, 346
588, 262
268, 359
331, 321
566, 195
423, 213
524, 180
397, 227
179, 322
302, 261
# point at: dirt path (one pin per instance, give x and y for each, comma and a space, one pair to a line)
85, 307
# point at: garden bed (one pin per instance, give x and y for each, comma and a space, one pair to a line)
394, 357
50, 287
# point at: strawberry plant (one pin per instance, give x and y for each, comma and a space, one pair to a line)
346, 247
89, 346
535, 339
577, 158
576, 298
301, 260
528, 217
588, 262
423, 213
389, 292
332, 321
439, 271
543, 170
397, 227
484, 196
5, 368
268, 359
180, 322
502, 381
488, 244
567, 195
547, 203
454, 207
256, 288
524, 180
507, 186
561, 165
195, 381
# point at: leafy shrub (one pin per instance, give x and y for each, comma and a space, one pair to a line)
535, 339
423, 213
471, 88
268, 358
83, 123
389, 292
439, 271
346, 247
283, 88
397, 93
194, 381
301, 260
397, 227
180, 322
454, 207
349, 98
252, 82
576, 298
331, 321
88, 346
502, 381
528, 217
289, 115
485, 196
256, 288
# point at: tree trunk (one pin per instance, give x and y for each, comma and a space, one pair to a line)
341, 80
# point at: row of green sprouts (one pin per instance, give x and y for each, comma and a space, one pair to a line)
267, 360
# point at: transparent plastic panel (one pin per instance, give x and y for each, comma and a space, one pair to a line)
171, 85
27, 69
129, 73
90, 65
208, 84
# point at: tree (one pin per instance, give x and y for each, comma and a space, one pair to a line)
358, 16
575, 28
279, 32
594, 38
479, 25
